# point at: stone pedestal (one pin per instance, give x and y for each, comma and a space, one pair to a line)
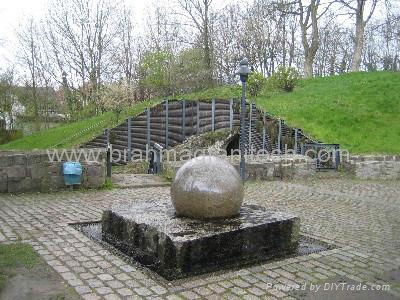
175, 247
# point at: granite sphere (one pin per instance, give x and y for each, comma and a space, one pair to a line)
207, 187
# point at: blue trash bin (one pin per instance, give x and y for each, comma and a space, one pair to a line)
72, 173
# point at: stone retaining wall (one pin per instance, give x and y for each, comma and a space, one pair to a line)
374, 166
269, 167
284, 169
34, 171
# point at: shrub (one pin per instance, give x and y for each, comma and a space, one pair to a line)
7, 136
285, 79
256, 83
116, 97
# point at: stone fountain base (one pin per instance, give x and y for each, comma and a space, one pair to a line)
149, 231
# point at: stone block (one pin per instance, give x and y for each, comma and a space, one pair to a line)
287, 171
94, 170
43, 184
3, 182
149, 231
21, 186
6, 161
16, 173
56, 183
36, 158
19, 159
277, 173
55, 169
304, 170
37, 171
270, 171
94, 182
261, 173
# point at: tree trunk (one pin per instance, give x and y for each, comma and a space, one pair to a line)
358, 46
308, 66
206, 37
310, 48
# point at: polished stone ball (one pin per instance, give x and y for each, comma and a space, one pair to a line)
207, 187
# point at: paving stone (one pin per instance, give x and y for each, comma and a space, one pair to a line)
159, 290
88, 264
112, 297
96, 271
127, 268
104, 290
125, 292
256, 291
61, 269
238, 291
105, 277
83, 289
216, 288
78, 270
68, 276
277, 293
285, 273
249, 278
132, 283
86, 275
142, 291
230, 296
95, 283
271, 274
122, 276
366, 220
225, 284
240, 283
114, 284
306, 276
189, 295
75, 282
174, 297
202, 291
91, 297
54, 263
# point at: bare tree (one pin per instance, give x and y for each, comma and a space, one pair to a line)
356, 8
308, 17
125, 55
7, 87
198, 11
82, 34
309, 27
30, 53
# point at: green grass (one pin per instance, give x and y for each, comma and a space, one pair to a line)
360, 111
222, 92
74, 134
15, 256
108, 185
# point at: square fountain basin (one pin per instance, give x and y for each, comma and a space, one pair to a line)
149, 231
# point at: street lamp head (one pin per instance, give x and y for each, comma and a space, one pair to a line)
243, 70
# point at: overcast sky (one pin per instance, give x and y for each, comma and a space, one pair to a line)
14, 12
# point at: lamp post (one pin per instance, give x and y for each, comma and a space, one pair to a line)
244, 72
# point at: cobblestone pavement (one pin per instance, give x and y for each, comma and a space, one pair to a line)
362, 218
138, 181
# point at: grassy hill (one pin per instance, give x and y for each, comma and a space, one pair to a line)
360, 111
73, 134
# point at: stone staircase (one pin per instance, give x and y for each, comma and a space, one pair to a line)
253, 139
